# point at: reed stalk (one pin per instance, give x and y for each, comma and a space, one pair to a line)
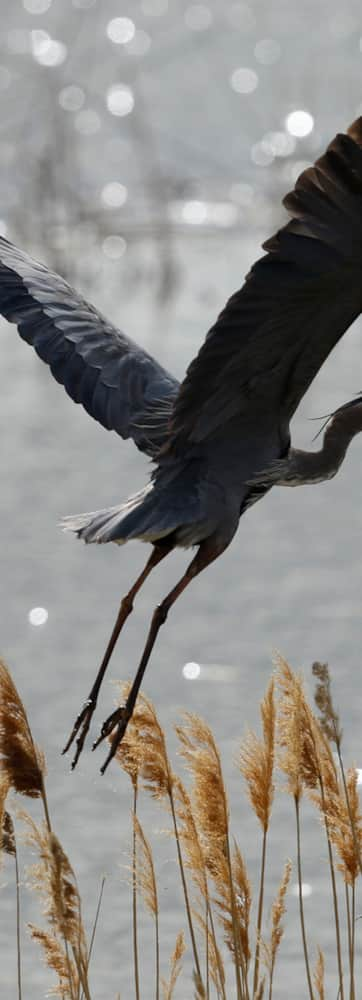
301, 906
134, 899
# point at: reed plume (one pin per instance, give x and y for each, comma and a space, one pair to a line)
195, 863
147, 887
53, 878
318, 975
256, 763
57, 959
298, 761
175, 967
22, 763
211, 812
329, 720
271, 948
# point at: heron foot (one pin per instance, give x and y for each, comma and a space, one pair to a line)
81, 726
118, 721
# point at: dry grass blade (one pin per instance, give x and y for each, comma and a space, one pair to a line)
256, 761
345, 825
278, 911
22, 762
329, 718
145, 882
53, 878
146, 879
211, 812
56, 959
8, 844
189, 837
216, 965
243, 902
143, 750
296, 733
318, 975
270, 949
209, 798
330, 723
4, 788
176, 966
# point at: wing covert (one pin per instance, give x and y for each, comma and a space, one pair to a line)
273, 335
116, 381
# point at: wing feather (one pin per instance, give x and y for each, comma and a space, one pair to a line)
273, 335
117, 382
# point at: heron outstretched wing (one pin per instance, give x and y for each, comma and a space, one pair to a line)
297, 301
117, 382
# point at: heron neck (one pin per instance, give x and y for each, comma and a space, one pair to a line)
316, 466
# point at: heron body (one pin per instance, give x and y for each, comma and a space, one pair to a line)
220, 439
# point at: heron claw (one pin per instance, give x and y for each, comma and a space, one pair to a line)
118, 720
81, 727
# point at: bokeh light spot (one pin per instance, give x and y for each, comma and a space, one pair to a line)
114, 247
120, 100
121, 30
114, 194
299, 123
37, 6
306, 887
38, 616
71, 98
46, 50
191, 671
244, 80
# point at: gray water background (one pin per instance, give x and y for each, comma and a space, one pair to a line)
290, 581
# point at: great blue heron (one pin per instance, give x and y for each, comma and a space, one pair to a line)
221, 439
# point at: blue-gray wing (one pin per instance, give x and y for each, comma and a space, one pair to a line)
117, 382
297, 301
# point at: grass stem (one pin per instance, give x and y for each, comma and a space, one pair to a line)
301, 907
260, 913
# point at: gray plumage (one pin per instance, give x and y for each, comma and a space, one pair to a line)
221, 439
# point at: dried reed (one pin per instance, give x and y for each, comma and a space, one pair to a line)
175, 967
256, 763
147, 887
209, 860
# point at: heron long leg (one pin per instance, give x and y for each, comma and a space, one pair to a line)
83, 720
119, 719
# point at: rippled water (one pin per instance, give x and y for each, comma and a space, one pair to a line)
290, 581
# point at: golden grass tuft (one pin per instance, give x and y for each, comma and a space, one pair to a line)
168, 986
8, 843
329, 718
57, 959
22, 763
145, 877
256, 760
143, 752
318, 975
214, 875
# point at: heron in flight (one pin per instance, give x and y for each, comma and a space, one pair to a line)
220, 439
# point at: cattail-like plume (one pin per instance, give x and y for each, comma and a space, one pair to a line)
256, 763
22, 763
168, 986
